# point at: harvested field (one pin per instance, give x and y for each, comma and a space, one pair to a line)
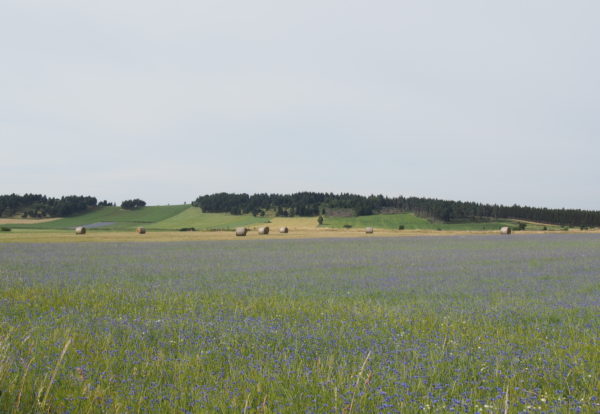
53, 236
10, 221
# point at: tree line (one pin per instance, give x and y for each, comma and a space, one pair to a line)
38, 205
313, 204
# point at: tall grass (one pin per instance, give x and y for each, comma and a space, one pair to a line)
463, 324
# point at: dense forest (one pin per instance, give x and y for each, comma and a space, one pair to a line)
37, 205
312, 204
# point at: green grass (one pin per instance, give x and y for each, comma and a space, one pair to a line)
194, 217
481, 324
122, 219
412, 222
180, 216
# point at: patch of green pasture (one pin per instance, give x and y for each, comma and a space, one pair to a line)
122, 219
411, 222
194, 217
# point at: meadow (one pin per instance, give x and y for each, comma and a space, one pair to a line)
176, 217
118, 218
412, 222
471, 324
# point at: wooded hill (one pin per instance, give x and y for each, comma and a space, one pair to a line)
313, 204
309, 204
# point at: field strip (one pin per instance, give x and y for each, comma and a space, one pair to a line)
177, 236
27, 221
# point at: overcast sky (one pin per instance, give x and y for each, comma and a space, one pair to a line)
167, 100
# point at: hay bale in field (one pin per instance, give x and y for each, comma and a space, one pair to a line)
241, 231
283, 229
80, 230
140, 230
263, 230
505, 230
369, 230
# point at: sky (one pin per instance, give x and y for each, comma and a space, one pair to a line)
494, 102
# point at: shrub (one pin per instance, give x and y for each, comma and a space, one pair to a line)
320, 220
544, 228
347, 226
187, 229
4, 228
401, 227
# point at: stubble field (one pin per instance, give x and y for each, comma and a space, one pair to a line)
413, 324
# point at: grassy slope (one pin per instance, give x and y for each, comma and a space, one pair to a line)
410, 222
123, 219
194, 217
179, 216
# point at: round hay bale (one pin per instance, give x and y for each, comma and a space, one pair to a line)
505, 230
241, 231
80, 230
283, 229
369, 230
263, 230
140, 230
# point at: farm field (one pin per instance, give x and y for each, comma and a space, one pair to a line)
161, 218
412, 222
194, 217
172, 218
413, 324
114, 217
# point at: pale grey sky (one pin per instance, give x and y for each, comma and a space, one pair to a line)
465, 100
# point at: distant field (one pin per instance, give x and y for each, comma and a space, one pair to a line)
25, 221
165, 218
194, 217
122, 219
412, 222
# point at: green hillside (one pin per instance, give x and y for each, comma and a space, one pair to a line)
182, 216
194, 217
119, 218
412, 222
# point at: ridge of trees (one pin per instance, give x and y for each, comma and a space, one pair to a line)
38, 205
313, 204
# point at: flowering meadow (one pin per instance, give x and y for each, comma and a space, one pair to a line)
469, 324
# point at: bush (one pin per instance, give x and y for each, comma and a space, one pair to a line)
544, 228
4, 228
320, 220
401, 227
187, 229
522, 226
347, 226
